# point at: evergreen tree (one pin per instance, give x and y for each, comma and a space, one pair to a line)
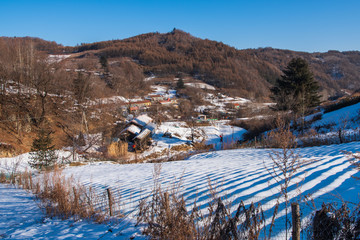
180, 84
296, 90
42, 151
104, 63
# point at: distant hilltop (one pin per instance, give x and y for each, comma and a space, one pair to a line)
248, 73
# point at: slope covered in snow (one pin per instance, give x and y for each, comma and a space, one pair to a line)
239, 174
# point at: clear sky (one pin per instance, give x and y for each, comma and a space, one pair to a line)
301, 25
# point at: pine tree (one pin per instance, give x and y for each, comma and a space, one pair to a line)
180, 84
104, 63
296, 90
42, 151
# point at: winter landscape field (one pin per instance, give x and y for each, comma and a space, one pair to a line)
179, 120
238, 175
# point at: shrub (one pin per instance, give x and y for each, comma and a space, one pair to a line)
331, 222
166, 216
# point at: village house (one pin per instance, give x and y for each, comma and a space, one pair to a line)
236, 105
169, 101
130, 132
135, 106
155, 98
140, 104
138, 132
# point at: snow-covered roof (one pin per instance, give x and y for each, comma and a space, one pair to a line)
151, 126
142, 120
133, 129
143, 134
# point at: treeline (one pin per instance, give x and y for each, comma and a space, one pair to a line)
39, 44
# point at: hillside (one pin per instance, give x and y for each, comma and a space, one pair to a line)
247, 72
336, 71
43, 82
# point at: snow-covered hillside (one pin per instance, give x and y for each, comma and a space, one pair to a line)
239, 174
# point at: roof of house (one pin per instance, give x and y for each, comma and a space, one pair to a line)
142, 120
143, 134
151, 126
165, 102
141, 102
133, 129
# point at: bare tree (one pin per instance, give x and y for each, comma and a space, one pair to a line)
82, 90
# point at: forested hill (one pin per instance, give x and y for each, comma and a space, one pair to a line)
250, 72
247, 73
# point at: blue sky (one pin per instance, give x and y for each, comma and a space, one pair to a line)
317, 25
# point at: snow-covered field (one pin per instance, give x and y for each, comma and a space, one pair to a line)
181, 134
240, 175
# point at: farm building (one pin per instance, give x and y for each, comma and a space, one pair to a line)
140, 104
138, 132
142, 120
155, 98
135, 106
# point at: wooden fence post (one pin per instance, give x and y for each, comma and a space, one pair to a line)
295, 212
110, 201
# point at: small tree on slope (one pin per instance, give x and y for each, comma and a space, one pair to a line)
42, 151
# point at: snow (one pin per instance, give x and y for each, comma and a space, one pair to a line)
219, 102
181, 134
109, 100
57, 58
133, 129
345, 117
149, 78
201, 85
143, 134
142, 120
20, 163
239, 174
343, 122
163, 91
21, 218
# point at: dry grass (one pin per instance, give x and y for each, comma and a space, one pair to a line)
65, 198
167, 217
201, 146
182, 147
255, 127
117, 149
3, 177
76, 164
